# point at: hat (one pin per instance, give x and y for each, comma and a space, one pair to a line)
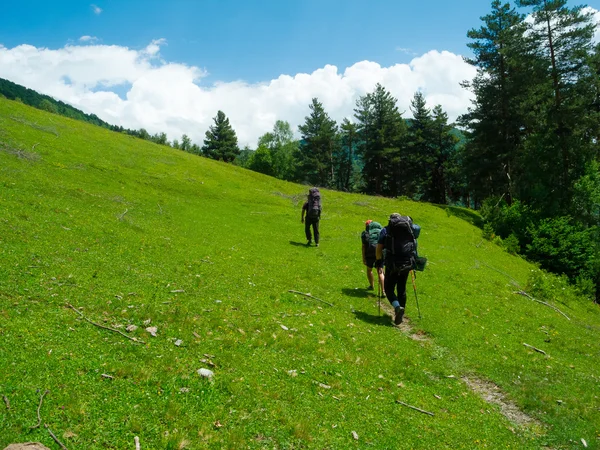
368, 222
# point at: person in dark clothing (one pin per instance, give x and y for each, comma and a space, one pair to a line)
312, 210
399, 260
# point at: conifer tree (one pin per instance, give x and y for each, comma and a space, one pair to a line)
221, 141
382, 132
318, 145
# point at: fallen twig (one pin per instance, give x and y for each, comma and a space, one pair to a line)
137, 443
34, 146
415, 408
38, 411
536, 349
6, 402
310, 296
55, 438
122, 216
106, 328
160, 211
525, 294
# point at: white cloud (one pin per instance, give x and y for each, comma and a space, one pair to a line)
176, 99
88, 39
97, 10
596, 18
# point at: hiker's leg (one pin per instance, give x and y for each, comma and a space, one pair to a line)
370, 275
307, 229
402, 279
381, 278
389, 286
316, 230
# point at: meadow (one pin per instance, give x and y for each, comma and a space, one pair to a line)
132, 234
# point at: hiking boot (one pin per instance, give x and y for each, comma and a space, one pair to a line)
399, 315
308, 243
371, 288
317, 244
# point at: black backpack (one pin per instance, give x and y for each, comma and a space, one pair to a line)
371, 238
400, 244
314, 203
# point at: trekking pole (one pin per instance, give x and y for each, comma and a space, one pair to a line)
378, 294
414, 283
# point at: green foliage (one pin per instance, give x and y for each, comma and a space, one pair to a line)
488, 232
221, 141
511, 244
382, 141
47, 105
318, 145
281, 147
117, 226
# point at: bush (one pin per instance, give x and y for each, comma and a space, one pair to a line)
511, 244
488, 232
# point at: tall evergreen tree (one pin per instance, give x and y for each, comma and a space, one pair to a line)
443, 146
558, 145
494, 122
420, 157
318, 145
221, 141
381, 131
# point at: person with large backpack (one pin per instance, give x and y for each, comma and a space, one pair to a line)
397, 248
312, 209
369, 239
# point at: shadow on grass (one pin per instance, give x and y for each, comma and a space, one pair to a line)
298, 244
383, 320
358, 292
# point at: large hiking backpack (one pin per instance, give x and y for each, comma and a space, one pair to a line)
314, 203
371, 238
400, 243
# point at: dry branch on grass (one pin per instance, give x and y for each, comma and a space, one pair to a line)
38, 411
137, 443
55, 438
536, 349
525, 294
122, 216
415, 408
310, 296
6, 402
136, 340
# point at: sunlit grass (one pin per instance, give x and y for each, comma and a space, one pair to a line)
130, 232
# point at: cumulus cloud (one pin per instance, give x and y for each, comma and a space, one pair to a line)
97, 10
88, 39
177, 99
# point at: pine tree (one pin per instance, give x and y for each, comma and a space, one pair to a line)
494, 122
221, 141
558, 146
381, 134
420, 156
318, 145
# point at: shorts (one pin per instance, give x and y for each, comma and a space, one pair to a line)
371, 262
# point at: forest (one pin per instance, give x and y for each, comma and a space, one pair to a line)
526, 154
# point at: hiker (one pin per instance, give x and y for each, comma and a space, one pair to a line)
369, 239
312, 209
399, 240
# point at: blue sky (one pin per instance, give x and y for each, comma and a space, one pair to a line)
252, 40
169, 66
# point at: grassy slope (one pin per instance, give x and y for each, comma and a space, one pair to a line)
229, 238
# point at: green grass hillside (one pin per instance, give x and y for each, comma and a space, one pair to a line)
130, 232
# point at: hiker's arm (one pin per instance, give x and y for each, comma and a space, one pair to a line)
304, 209
364, 254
